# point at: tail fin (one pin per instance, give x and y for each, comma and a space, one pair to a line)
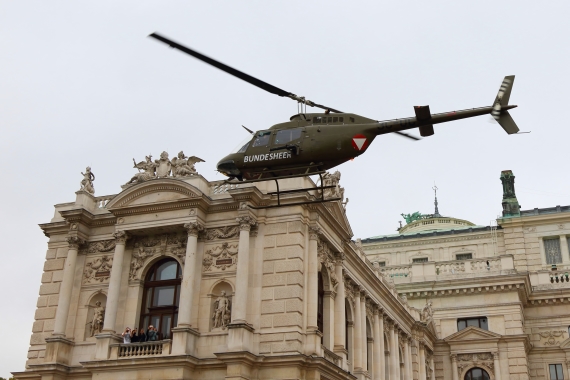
502, 101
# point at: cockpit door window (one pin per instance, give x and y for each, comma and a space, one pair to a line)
287, 135
261, 138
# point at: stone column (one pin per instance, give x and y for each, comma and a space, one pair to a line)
66, 286
454, 374
497, 365
363, 330
187, 286
393, 352
422, 359
240, 334
397, 351
411, 366
313, 278
313, 340
564, 249
239, 306
340, 313
407, 359
378, 359
183, 336
108, 336
115, 282
357, 332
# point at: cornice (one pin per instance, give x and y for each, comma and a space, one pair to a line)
554, 217
426, 240
55, 228
159, 207
467, 286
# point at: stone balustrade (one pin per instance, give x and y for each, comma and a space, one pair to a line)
430, 271
332, 357
219, 187
138, 350
398, 272
101, 202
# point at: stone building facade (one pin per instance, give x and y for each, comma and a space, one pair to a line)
233, 291
500, 294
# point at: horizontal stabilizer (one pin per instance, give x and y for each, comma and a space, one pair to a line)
507, 122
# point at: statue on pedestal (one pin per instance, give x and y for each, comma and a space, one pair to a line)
222, 311
87, 181
184, 166
98, 319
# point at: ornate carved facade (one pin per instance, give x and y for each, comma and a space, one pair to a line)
236, 290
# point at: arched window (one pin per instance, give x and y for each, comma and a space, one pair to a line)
161, 297
477, 374
321, 306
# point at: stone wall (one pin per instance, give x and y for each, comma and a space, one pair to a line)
47, 302
283, 287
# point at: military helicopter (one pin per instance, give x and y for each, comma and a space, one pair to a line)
311, 143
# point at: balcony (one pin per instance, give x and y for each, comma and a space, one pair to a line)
140, 350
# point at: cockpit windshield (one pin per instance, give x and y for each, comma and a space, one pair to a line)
242, 146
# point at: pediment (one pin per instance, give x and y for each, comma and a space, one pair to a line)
338, 213
472, 333
155, 192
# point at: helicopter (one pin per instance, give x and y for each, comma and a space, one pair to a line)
312, 143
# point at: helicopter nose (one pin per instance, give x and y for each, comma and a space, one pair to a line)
228, 167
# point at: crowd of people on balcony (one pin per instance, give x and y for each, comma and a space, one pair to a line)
131, 336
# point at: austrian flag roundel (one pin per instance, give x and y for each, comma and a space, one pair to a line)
359, 142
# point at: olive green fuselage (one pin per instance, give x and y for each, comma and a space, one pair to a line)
315, 142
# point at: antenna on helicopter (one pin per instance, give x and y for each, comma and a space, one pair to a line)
247, 129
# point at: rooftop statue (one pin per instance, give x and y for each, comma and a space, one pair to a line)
148, 170
179, 166
412, 217
87, 181
333, 180
163, 165
184, 166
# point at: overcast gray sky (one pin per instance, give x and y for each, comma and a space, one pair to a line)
81, 84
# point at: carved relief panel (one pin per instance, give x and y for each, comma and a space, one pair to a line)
483, 360
220, 257
147, 247
97, 268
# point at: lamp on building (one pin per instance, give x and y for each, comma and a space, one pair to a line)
553, 267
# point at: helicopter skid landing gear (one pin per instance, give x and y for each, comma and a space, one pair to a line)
320, 189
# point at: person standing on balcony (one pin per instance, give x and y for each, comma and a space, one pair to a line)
126, 335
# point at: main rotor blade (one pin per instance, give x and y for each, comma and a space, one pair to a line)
408, 136
239, 74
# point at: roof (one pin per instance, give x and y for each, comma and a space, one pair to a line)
452, 231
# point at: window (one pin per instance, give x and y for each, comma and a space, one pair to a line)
464, 256
552, 251
321, 306
287, 135
555, 371
477, 374
243, 148
261, 138
480, 322
420, 260
161, 297
381, 263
